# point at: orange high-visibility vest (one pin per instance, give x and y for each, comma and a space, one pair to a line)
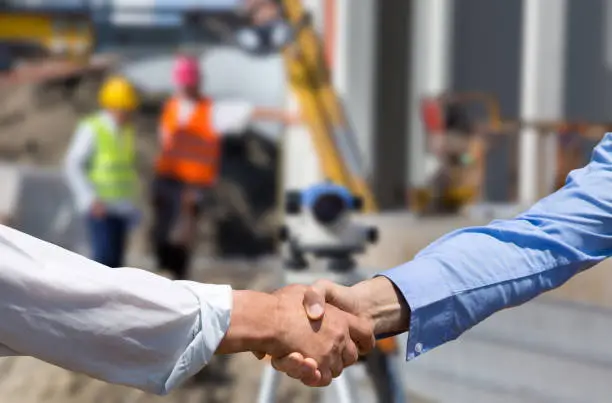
190, 149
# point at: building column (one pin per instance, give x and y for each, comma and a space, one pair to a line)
542, 87
431, 57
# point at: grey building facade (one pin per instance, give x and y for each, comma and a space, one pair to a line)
486, 56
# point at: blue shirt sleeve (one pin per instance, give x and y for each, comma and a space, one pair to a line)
467, 275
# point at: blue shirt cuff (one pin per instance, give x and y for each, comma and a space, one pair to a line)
430, 300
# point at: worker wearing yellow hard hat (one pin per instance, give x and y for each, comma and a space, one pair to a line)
101, 171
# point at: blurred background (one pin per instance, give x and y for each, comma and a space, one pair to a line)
440, 113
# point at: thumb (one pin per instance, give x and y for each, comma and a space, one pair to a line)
324, 291
314, 303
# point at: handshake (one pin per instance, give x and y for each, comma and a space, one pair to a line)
313, 332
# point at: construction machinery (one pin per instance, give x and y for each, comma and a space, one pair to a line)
490, 138
322, 240
57, 33
310, 81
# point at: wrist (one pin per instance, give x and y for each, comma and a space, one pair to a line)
252, 323
382, 303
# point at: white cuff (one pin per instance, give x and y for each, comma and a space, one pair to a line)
215, 310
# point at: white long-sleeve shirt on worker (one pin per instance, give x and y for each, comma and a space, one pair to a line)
124, 326
228, 118
78, 160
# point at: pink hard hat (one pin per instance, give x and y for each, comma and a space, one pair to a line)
186, 71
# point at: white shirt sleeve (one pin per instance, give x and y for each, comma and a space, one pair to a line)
124, 326
76, 165
231, 117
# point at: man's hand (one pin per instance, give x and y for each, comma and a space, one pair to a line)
375, 301
315, 351
98, 209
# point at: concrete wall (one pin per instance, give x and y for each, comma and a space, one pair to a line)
487, 54
589, 65
486, 50
487, 57
390, 159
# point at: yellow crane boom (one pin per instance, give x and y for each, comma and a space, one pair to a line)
322, 109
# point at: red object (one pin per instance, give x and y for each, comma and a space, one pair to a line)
432, 114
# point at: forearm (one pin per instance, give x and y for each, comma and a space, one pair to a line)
123, 326
468, 275
80, 186
75, 166
275, 115
384, 305
252, 326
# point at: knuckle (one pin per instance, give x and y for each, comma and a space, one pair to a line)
339, 336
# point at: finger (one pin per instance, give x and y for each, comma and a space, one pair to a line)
313, 379
325, 291
314, 303
361, 333
259, 355
292, 365
336, 366
326, 377
350, 354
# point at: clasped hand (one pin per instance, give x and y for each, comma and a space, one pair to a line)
317, 340
313, 332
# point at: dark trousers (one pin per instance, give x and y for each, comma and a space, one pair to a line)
108, 237
166, 195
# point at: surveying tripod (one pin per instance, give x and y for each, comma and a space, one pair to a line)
382, 366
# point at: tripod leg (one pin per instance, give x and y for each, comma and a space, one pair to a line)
395, 379
269, 385
344, 388
386, 377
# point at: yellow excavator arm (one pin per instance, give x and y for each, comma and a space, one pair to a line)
321, 108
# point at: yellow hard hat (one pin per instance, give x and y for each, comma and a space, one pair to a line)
118, 93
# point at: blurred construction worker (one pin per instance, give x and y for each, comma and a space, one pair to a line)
102, 174
456, 148
264, 30
187, 168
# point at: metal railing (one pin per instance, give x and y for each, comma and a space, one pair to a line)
492, 147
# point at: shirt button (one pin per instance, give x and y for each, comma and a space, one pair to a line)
418, 348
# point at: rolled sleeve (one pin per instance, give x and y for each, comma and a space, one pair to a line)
430, 301
124, 326
214, 320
